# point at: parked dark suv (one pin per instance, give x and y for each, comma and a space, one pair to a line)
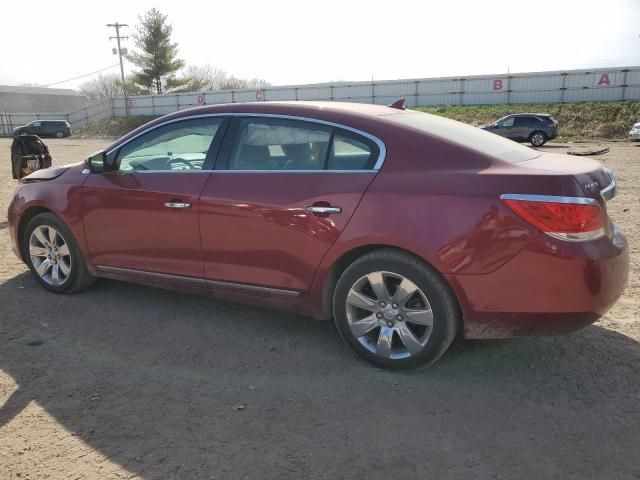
45, 128
536, 128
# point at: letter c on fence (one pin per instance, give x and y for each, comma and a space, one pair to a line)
259, 95
497, 84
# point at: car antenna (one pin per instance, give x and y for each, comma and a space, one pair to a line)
399, 104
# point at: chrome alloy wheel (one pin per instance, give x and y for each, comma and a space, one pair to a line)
389, 315
50, 255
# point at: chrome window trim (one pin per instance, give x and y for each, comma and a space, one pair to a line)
549, 198
376, 167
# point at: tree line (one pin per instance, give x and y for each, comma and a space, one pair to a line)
160, 70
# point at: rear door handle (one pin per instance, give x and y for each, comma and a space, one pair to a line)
177, 204
319, 209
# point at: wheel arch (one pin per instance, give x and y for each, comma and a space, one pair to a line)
25, 218
339, 265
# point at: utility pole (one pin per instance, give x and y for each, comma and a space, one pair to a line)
118, 38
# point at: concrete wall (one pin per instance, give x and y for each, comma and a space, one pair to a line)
39, 100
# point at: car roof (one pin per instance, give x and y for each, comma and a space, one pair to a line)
336, 112
296, 107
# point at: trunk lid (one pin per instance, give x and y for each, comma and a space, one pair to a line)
595, 180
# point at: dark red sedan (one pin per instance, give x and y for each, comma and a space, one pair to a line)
405, 227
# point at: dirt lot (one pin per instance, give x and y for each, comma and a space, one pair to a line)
133, 382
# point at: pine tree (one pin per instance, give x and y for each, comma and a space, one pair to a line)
157, 56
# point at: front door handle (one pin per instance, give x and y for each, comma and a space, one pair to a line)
177, 204
322, 209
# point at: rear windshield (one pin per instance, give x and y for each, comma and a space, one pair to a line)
467, 136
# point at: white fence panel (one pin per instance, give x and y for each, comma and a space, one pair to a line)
596, 85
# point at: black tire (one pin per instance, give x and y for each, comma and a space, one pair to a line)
59, 134
538, 139
444, 306
79, 277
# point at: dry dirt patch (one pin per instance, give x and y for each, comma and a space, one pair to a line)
125, 381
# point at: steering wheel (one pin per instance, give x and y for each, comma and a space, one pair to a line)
170, 161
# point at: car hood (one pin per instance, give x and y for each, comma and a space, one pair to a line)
50, 173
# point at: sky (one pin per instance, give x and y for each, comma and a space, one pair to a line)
298, 42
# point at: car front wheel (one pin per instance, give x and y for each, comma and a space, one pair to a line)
59, 134
53, 256
395, 311
538, 139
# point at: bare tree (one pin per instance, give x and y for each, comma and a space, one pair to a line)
103, 86
208, 77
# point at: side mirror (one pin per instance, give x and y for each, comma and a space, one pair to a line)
96, 162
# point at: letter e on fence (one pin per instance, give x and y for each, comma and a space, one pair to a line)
497, 84
604, 80
131, 103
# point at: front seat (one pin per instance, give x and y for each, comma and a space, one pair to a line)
254, 157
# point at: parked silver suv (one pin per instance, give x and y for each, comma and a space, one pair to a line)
634, 133
536, 128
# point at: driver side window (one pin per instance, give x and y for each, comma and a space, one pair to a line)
508, 122
179, 146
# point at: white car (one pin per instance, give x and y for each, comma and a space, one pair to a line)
634, 133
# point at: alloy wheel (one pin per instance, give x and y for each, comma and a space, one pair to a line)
537, 139
389, 315
50, 255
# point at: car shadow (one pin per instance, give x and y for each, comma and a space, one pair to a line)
4, 225
169, 385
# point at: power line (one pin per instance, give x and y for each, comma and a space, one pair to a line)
61, 81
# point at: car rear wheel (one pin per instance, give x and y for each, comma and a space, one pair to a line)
59, 134
53, 256
538, 139
395, 311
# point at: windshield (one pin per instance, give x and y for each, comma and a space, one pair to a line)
467, 136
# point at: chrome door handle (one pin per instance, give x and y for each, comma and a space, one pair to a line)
318, 209
174, 204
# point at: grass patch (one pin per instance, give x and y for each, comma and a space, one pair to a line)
112, 127
578, 121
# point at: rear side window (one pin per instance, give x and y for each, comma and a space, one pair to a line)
350, 151
524, 121
278, 144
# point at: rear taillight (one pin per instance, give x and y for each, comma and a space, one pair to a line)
567, 218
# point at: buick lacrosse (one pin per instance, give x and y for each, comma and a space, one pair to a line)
406, 228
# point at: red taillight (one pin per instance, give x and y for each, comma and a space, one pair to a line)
568, 218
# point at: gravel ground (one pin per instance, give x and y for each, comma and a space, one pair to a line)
126, 381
